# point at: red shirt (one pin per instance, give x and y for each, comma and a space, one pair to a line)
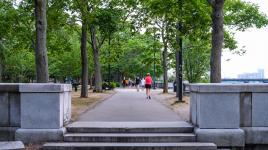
148, 80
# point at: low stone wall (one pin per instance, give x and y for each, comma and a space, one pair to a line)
230, 115
34, 112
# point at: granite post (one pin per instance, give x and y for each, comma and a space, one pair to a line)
230, 115
45, 108
9, 110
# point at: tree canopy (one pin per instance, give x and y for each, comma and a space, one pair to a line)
125, 37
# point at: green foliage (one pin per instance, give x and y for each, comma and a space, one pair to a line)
130, 52
117, 84
241, 15
112, 85
109, 85
196, 60
131, 55
105, 85
19, 67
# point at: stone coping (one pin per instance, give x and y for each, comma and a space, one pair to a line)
9, 87
45, 88
228, 88
35, 87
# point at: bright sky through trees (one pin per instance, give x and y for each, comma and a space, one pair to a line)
255, 42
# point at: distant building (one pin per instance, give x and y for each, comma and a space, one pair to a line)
256, 75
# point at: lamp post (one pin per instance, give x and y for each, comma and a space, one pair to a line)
179, 52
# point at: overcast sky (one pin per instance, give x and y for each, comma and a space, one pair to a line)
256, 44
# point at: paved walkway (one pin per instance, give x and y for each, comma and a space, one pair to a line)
129, 105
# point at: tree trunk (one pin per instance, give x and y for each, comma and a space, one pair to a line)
217, 41
165, 53
177, 53
41, 59
109, 65
84, 57
91, 82
97, 67
1, 60
165, 68
1, 71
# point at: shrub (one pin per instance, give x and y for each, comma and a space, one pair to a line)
117, 84
105, 86
109, 85
112, 85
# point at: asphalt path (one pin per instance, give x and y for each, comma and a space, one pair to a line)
128, 105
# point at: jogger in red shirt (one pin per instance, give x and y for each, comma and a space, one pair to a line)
148, 85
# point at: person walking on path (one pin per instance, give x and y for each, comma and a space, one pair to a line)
148, 85
137, 83
142, 84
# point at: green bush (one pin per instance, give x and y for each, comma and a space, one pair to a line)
112, 85
105, 86
109, 86
117, 84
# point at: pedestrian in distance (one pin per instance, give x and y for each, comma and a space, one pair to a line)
124, 83
137, 83
142, 84
148, 85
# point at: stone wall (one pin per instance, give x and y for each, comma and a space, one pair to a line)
230, 115
34, 112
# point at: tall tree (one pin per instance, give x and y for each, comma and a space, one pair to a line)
157, 13
84, 57
83, 8
1, 60
217, 40
97, 67
103, 24
41, 59
164, 33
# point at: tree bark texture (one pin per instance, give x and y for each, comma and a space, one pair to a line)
217, 41
1, 71
84, 57
177, 53
165, 68
165, 55
41, 59
97, 67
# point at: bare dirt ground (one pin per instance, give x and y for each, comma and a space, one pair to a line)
171, 101
80, 105
33, 146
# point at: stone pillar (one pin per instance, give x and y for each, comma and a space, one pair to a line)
214, 110
256, 129
231, 115
9, 111
45, 108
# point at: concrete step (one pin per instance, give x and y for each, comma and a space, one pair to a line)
130, 146
130, 127
130, 137
12, 145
